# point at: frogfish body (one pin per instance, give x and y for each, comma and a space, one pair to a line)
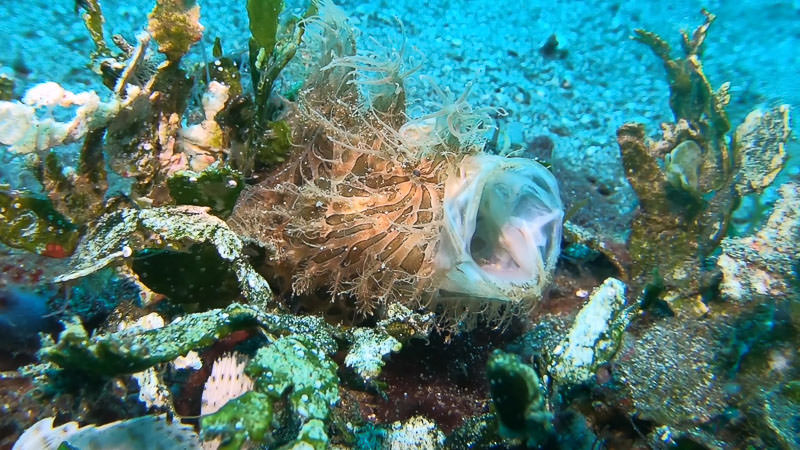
387, 209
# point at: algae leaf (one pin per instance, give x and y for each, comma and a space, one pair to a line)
6, 88
31, 223
175, 25
93, 19
263, 15
217, 188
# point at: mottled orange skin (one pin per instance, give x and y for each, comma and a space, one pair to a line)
353, 213
359, 208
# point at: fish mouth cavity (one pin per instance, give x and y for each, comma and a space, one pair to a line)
501, 234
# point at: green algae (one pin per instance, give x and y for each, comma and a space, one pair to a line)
216, 187
270, 50
93, 19
293, 365
263, 15
7, 85
519, 399
31, 223
133, 350
247, 418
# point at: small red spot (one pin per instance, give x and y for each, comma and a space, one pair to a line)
54, 250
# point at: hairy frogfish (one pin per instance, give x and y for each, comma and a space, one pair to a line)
386, 209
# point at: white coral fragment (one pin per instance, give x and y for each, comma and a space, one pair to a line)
30, 126
152, 390
369, 349
417, 432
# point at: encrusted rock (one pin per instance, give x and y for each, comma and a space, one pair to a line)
115, 237
151, 432
594, 337
417, 432
764, 265
759, 145
370, 346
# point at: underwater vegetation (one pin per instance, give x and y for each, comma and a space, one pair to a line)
267, 250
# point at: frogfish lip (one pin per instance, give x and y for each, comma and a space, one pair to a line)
501, 231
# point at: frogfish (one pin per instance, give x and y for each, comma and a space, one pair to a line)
385, 208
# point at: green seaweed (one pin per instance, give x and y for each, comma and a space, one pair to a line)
245, 418
263, 15
271, 50
93, 19
519, 399
134, 349
31, 223
216, 187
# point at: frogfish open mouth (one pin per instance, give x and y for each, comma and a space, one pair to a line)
387, 209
